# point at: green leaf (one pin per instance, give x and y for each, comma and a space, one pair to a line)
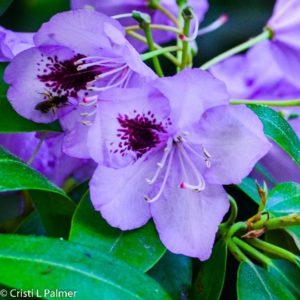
12, 122
248, 186
174, 273
294, 232
278, 130
287, 274
210, 279
284, 199
41, 263
52, 203
140, 248
4, 4
32, 225
283, 239
256, 282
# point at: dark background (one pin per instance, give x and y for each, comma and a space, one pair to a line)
246, 19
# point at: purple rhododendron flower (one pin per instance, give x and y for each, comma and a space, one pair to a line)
285, 44
165, 150
62, 70
116, 7
257, 76
50, 160
12, 43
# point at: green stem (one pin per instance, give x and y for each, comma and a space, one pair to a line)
233, 212
142, 39
235, 228
157, 52
187, 17
277, 223
275, 250
265, 35
237, 253
266, 261
149, 38
295, 102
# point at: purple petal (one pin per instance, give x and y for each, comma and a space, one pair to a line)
187, 221
234, 138
82, 30
189, 97
12, 43
285, 45
119, 193
118, 136
26, 91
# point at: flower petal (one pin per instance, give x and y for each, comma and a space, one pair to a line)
234, 138
187, 221
189, 97
118, 193
106, 139
26, 90
91, 26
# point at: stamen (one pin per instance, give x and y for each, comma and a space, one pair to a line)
122, 16
206, 157
161, 164
86, 122
111, 84
113, 71
201, 183
85, 114
214, 26
89, 101
162, 187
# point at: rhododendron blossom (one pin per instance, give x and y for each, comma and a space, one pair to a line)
164, 152
62, 71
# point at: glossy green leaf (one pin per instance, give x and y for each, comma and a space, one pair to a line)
248, 186
174, 273
52, 203
45, 263
284, 199
210, 279
256, 282
4, 4
287, 274
278, 130
140, 248
294, 232
282, 238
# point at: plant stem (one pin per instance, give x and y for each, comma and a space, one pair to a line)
187, 17
237, 253
149, 38
284, 103
142, 39
167, 13
155, 27
252, 251
265, 35
277, 223
233, 212
272, 249
235, 228
157, 52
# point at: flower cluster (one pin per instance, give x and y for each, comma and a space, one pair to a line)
164, 146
